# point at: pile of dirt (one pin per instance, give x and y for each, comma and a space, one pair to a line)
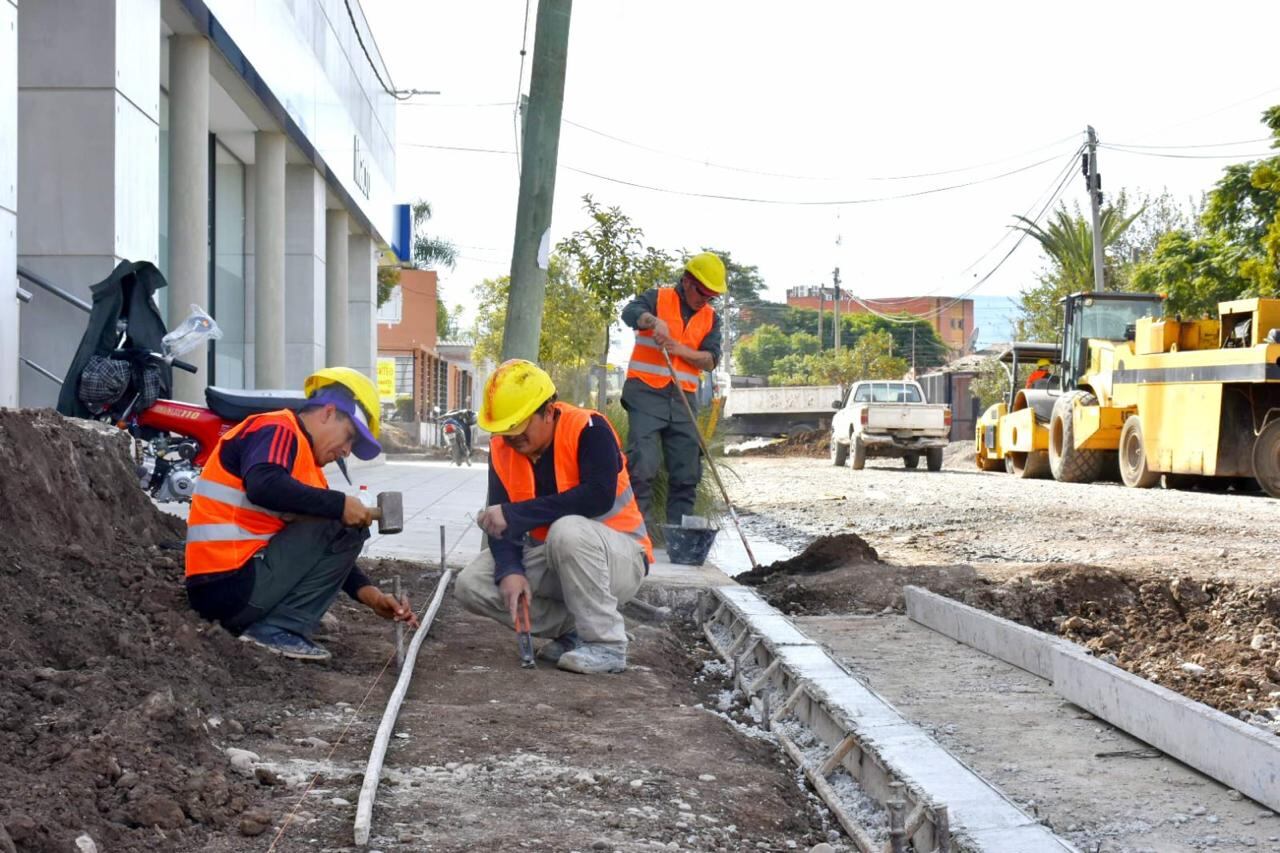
1217, 643
814, 442
822, 555
960, 454
108, 683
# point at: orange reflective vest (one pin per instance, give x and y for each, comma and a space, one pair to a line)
647, 363
516, 473
225, 528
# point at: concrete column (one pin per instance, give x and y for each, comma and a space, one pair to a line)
336, 270
189, 198
9, 309
304, 228
362, 302
89, 138
268, 261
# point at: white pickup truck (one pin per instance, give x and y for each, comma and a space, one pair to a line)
889, 419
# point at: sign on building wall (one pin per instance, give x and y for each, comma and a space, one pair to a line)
387, 380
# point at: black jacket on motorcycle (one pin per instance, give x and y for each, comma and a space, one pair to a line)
127, 294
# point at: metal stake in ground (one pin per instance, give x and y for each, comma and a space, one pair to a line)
399, 628
710, 462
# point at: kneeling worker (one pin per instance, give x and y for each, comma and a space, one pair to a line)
564, 529
269, 544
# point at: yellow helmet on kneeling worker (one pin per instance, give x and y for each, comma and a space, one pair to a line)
355, 394
511, 395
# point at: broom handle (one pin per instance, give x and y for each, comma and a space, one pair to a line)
710, 462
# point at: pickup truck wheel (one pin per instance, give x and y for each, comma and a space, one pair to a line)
860, 453
1070, 465
911, 461
933, 458
839, 452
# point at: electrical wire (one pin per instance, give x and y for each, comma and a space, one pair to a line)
515, 114
1202, 145
398, 94
1170, 156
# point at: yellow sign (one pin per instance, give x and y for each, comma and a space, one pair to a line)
387, 379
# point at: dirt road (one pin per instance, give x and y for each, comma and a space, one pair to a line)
1001, 525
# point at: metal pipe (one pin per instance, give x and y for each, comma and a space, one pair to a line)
399, 629
38, 369
373, 772
54, 289
24, 296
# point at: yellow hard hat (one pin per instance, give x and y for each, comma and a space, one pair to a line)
511, 395
707, 268
360, 386
1044, 362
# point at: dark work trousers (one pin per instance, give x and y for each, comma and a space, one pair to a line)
299, 574
679, 439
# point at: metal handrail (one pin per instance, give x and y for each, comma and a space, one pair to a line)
38, 369
44, 284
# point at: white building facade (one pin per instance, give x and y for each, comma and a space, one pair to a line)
246, 147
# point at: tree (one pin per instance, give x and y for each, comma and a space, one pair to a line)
448, 321
428, 252
870, 358
1067, 239
610, 263
758, 352
743, 288
570, 336
1196, 272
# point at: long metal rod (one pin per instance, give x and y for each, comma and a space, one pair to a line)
38, 369
373, 772
55, 290
711, 463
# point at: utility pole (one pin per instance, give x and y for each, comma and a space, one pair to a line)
1095, 207
822, 294
540, 148
835, 277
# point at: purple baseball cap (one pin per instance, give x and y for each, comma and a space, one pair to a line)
365, 446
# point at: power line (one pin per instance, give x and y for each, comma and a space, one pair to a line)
515, 114
398, 94
1202, 145
1171, 156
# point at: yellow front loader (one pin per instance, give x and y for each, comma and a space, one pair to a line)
1155, 395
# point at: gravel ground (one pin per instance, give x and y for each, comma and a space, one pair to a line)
1002, 525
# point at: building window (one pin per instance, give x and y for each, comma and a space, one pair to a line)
227, 303
404, 376
389, 312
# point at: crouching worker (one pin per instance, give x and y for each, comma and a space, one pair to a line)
269, 544
563, 526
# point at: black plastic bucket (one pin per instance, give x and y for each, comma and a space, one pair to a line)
689, 546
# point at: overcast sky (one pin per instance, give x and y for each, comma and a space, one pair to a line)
826, 101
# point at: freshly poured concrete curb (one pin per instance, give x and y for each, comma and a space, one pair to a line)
1216, 744
982, 818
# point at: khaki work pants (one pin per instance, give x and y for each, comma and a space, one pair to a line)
579, 578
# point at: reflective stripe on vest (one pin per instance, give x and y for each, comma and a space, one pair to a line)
516, 473
224, 528
647, 363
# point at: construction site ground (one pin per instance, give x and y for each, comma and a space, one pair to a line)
1176, 586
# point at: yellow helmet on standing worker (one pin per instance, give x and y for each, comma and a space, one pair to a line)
511, 395
360, 386
707, 268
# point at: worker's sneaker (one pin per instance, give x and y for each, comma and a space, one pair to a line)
594, 659
281, 642
554, 650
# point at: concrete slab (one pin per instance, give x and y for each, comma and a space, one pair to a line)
1010, 642
1214, 743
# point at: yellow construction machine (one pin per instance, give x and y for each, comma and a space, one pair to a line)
1154, 395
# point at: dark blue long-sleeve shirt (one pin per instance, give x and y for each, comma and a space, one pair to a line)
599, 463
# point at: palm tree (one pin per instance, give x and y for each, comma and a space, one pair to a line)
429, 251
1068, 240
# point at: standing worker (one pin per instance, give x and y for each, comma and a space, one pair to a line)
681, 320
269, 544
564, 530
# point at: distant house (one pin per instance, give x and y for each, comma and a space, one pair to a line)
428, 374
952, 318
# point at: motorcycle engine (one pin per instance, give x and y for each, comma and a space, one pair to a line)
179, 485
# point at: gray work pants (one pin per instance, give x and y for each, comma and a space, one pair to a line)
299, 574
578, 579
680, 453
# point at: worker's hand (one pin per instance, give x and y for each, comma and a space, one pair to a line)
662, 333
492, 521
386, 605
679, 350
356, 514
512, 587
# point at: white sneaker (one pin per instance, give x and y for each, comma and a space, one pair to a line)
594, 659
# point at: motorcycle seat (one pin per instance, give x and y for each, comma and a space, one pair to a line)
234, 404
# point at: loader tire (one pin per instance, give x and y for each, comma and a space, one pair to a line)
859, 453
1135, 470
933, 458
1068, 464
985, 464
1266, 459
911, 461
839, 452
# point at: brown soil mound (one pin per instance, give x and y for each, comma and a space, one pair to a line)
107, 681
823, 555
816, 442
